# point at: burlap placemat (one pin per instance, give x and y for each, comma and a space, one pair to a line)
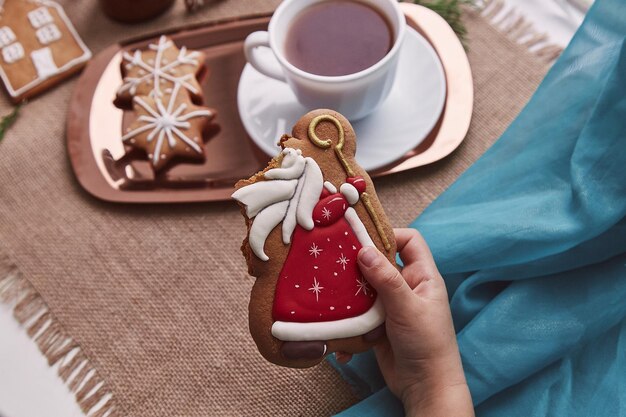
154, 298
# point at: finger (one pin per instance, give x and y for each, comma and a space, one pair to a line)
384, 357
419, 264
343, 357
413, 248
388, 282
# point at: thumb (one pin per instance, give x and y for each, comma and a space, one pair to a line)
395, 293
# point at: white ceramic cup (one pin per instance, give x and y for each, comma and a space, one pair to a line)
354, 95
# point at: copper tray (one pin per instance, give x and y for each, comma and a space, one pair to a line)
94, 124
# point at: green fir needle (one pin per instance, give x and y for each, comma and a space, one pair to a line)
451, 11
8, 120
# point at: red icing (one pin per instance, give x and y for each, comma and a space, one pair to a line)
325, 192
320, 280
358, 183
329, 209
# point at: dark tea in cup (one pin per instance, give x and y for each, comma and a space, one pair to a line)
336, 54
339, 37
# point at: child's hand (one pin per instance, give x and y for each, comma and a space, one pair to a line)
420, 360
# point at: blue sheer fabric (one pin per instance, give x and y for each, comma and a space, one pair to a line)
532, 243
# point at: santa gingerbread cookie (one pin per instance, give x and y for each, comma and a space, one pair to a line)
308, 215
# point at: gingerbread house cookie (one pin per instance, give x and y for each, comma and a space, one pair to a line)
308, 215
156, 70
39, 47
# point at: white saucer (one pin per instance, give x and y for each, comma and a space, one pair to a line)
268, 108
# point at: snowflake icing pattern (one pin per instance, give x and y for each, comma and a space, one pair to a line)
165, 122
326, 213
158, 71
316, 289
315, 250
361, 286
343, 261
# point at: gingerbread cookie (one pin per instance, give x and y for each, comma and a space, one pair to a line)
155, 71
308, 215
40, 47
167, 127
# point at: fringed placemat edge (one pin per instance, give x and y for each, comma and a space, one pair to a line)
74, 367
518, 29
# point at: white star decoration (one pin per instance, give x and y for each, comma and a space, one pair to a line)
316, 289
343, 261
362, 286
165, 122
315, 250
326, 213
158, 71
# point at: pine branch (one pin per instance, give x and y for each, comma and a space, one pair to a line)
8, 120
450, 10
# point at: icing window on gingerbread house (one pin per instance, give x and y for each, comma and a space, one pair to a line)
13, 52
6, 36
40, 17
48, 34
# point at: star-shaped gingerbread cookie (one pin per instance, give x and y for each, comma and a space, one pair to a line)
167, 127
155, 71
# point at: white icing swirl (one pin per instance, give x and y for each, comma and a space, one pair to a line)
330, 187
288, 194
263, 194
329, 330
291, 166
263, 224
350, 193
